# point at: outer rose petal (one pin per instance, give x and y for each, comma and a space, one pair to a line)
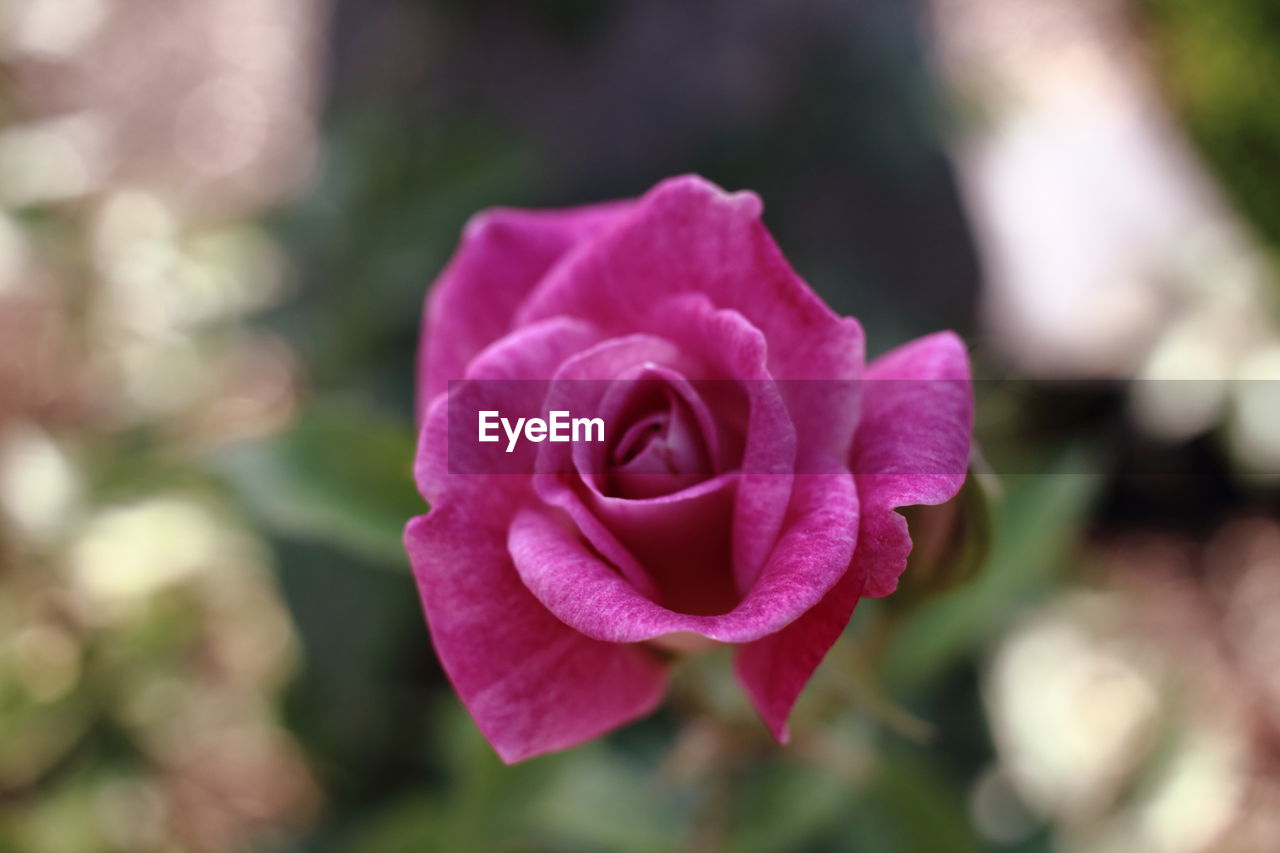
587, 593
686, 235
502, 256
912, 445
532, 683
532, 352
914, 436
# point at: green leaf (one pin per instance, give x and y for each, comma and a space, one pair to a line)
340, 475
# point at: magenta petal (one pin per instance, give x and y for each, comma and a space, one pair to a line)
578, 386
675, 538
531, 683
734, 349
502, 256
682, 542
447, 441
687, 235
584, 591
774, 669
912, 445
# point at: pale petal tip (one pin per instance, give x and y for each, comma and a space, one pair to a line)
743, 202
478, 223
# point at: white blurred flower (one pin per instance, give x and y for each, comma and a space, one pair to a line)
52, 159
50, 29
1107, 244
1072, 712
1253, 431
39, 485
127, 553
1197, 796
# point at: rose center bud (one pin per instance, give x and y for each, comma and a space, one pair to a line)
661, 447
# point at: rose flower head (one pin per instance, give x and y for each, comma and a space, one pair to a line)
641, 430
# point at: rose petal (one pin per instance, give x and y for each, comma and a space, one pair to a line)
686, 235
562, 571
502, 256
661, 453
531, 683
774, 669
580, 386
736, 350
915, 432
508, 377
913, 441
683, 559
682, 540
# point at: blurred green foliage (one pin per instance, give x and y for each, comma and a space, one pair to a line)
1221, 64
339, 475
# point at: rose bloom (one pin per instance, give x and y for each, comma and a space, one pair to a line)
556, 587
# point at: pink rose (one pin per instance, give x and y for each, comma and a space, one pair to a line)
757, 519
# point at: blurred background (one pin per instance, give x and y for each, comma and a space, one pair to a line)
218, 219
